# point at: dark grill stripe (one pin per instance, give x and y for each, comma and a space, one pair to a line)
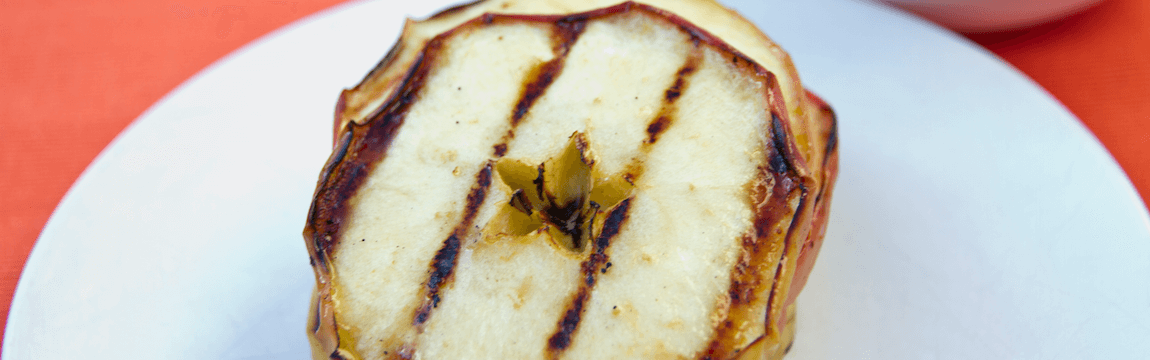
597, 264
665, 117
443, 264
771, 202
360, 149
562, 337
564, 34
748, 275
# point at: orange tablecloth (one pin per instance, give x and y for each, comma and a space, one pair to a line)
74, 74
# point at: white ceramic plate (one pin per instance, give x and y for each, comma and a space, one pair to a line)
974, 216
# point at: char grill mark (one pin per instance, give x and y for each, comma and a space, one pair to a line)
566, 328
747, 276
361, 148
443, 265
596, 264
778, 157
598, 261
564, 35
771, 202
665, 117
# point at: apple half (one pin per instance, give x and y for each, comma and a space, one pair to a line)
530, 179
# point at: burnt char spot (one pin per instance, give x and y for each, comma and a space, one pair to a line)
657, 128
673, 93
443, 264
500, 149
594, 265
778, 161
611, 226
422, 315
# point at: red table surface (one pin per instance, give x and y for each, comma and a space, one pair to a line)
74, 74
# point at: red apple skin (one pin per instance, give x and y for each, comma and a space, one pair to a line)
810, 248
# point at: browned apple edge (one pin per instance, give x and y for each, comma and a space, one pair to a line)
360, 146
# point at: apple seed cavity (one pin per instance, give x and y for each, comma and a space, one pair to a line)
562, 196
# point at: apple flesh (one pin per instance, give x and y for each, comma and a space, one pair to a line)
615, 183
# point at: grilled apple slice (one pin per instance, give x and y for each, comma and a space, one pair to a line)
531, 180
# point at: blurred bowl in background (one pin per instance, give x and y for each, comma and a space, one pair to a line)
980, 16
